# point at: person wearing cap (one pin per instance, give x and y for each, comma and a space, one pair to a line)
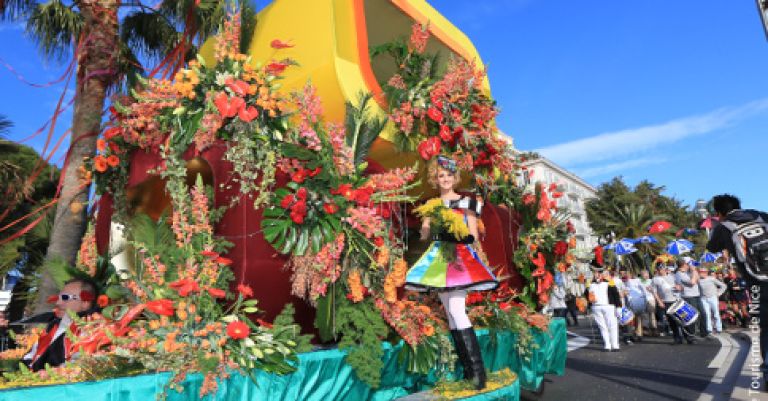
78, 297
711, 289
687, 280
605, 298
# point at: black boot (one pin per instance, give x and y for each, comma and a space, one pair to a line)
474, 359
461, 351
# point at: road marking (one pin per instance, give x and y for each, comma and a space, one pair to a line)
576, 341
725, 349
725, 378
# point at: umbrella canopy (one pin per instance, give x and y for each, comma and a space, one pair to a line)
659, 227
708, 222
647, 239
679, 247
709, 257
623, 249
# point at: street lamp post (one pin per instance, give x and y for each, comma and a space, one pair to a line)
701, 210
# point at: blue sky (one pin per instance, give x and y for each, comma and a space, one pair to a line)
670, 91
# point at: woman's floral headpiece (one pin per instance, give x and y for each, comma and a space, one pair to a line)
446, 163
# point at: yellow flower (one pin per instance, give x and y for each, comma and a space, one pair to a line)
429, 207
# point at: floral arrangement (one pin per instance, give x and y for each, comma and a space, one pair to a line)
230, 100
340, 227
448, 114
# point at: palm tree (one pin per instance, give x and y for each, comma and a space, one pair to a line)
632, 221
105, 51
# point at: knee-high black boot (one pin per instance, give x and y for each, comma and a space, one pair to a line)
461, 351
474, 359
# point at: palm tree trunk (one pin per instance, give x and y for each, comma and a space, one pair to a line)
97, 59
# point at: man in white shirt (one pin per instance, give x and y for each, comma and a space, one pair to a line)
604, 298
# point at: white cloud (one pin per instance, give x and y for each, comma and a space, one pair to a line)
618, 144
597, 171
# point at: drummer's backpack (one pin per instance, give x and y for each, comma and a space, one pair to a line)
751, 242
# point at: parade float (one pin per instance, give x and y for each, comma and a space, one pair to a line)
255, 220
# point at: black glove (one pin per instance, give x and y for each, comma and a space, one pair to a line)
448, 237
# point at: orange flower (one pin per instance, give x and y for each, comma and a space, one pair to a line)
113, 160
100, 164
217, 293
101, 145
182, 314
427, 330
355, 286
102, 301
238, 330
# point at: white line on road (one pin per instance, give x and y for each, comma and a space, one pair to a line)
576, 341
725, 349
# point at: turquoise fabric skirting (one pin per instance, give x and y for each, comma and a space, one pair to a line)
322, 376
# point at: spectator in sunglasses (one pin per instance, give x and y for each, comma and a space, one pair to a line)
78, 297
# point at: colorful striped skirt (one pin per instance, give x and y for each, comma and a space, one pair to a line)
433, 273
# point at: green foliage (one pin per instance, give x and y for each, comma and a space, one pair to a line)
361, 129
627, 212
285, 320
360, 326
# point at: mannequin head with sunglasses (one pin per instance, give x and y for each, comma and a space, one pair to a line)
77, 295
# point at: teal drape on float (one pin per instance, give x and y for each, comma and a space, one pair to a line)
323, 376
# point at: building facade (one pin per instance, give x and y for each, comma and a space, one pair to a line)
575, 194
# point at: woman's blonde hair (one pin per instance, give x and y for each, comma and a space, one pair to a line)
433, 168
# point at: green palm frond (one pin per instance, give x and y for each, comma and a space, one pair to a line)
362, 129
148, 34
5, 125
12, 10
247, 24
54, 25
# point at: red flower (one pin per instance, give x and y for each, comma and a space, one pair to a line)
239, 87
238, 330
362, 196
445, 133
185, 286
297, 218
474, 298
114, 148
248, 114
264, 323
302, 193
429, 148
299, 176
330, 208
344, 190
435, 114
279, 44
561, 248
569, 226
112, 132
217, 293
224, 261
162, 307
540, 260
505, 306
315, 172
228, 107
528, 199
378, 241
209, 254
552, 187
102, 301
245, 290
276, 68
287, 201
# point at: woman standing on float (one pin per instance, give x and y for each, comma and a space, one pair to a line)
452, 279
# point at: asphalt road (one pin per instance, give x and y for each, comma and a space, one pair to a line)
645, 371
